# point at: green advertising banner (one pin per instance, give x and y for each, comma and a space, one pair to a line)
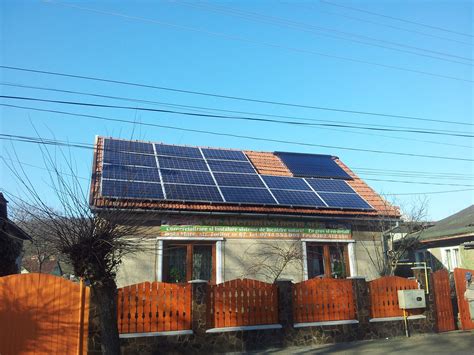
253, 232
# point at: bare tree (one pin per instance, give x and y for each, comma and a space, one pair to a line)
94, 243
392, 241
271, 260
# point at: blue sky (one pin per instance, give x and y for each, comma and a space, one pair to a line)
204, 48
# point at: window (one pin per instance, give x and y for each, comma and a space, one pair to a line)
450, 257
186, 261
327, 260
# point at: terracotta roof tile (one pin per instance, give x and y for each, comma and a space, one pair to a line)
267, 163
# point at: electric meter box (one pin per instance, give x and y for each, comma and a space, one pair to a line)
409, 299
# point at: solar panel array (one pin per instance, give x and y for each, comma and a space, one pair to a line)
136, 170
313, 165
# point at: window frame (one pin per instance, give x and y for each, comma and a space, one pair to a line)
452, 259
328, 272
189, 258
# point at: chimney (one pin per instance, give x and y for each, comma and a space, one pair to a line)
3, 207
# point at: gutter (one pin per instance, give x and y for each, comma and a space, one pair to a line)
242, 214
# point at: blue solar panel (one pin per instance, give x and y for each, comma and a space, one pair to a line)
132, 158
187, 177
247, 195
182, 163
231, 166
131, 189
312, 165
326, 185
285, 183
222, 154
192, 193
245, 180
127, 146
348, 201
178, 151
130, 173
298, 198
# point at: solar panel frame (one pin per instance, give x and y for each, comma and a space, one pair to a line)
238, 180
222, 154
313, 165
182, 163
285, 183
177, 151
190, 177
345, 201
192, 193
297, 198
226, 166
127, 146
129, 158
130, 173
248, 196
131, 190
330, 185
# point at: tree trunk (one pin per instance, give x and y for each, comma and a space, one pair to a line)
104, 297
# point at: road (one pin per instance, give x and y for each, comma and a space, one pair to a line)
457, 342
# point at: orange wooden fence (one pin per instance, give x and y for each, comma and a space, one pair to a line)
154, 307
444, 307
43, 314
460, 282
384, 297
318, 300
242, 302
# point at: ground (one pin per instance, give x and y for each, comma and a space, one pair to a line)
457, 342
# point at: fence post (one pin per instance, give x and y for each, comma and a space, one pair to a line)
430, 310
199, 305
285, 303
360, 288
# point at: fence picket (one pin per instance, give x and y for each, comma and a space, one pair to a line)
243, 302
154, 307
319, 300
384, 297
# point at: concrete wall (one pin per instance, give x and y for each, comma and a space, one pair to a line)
240, 258
138, 267
243, 258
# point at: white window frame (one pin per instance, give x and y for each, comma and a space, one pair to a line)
454, 256
350, 250
219, 258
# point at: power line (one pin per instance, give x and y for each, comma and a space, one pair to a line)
265, 120
308, 28
398, 19
237, 98
391, 26
259, 138
428, 193
91, 146
208, 109
266, 44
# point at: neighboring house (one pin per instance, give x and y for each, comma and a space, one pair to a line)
207, 211
50, 266
450, 242
11, 241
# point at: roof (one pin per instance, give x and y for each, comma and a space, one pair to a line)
12, 229
265, 163
48, 266
460, 224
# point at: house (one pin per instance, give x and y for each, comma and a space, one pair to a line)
11, 241
450, 242
49, 266
220, 214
